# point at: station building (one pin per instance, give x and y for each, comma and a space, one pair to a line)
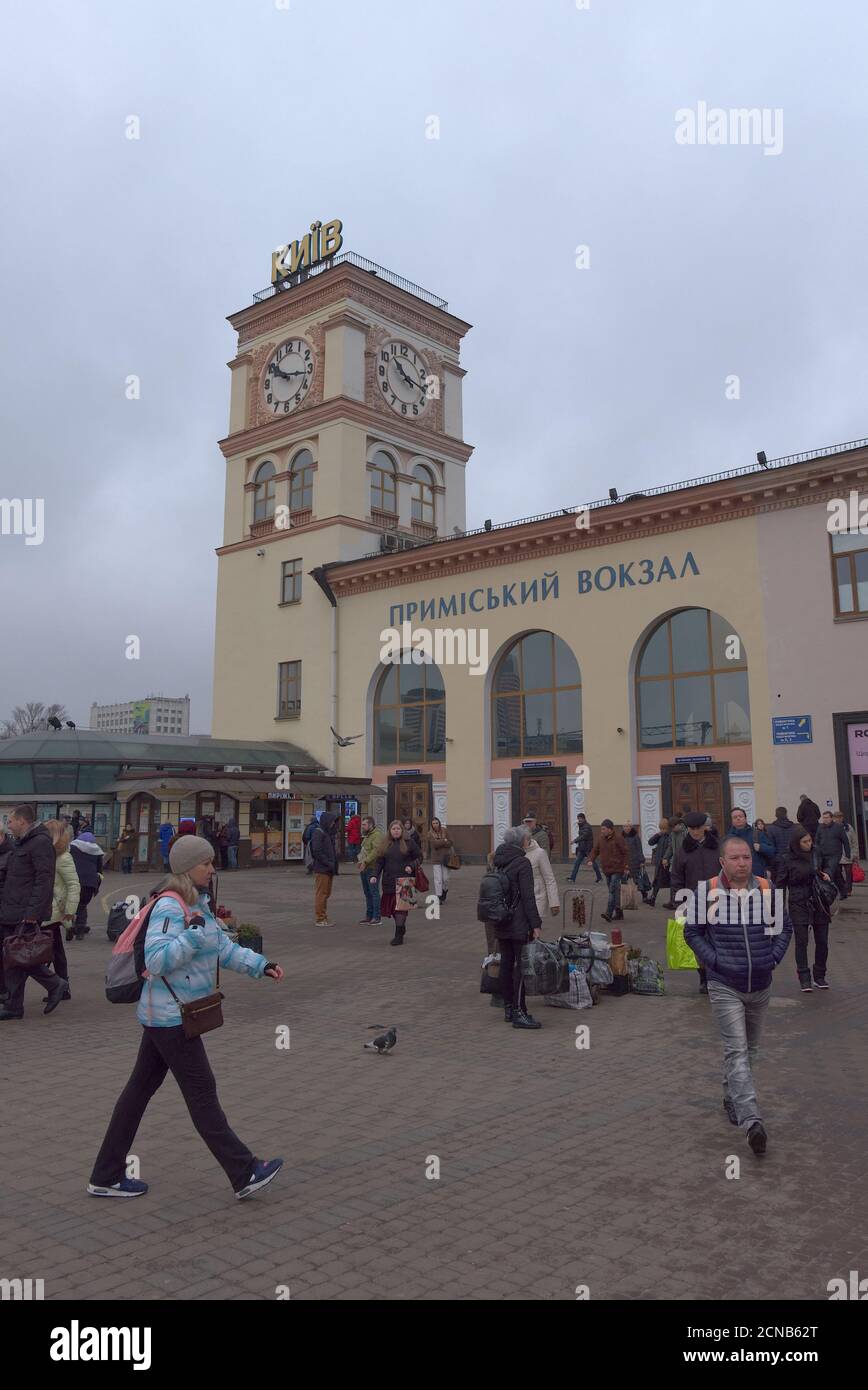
700, 645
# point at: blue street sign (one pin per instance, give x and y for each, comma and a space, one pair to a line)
792, 728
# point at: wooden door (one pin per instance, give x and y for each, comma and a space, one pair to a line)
699, 791
413, 802
543, 796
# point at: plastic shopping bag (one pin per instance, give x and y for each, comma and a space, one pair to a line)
678, 954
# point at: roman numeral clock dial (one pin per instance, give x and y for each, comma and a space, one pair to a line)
288, 376
402, 377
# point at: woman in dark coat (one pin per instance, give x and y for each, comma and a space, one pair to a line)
660, 860
796, 874
400, 860
763, 847
411, 834
524, 924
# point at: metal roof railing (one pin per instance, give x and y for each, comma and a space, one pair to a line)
755, 470
350, 258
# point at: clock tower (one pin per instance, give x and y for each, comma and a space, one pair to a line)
345, 438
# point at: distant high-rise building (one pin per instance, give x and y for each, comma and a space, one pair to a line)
155, 714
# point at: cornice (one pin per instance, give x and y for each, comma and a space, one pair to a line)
347, 281
730, 499
309, 418
283, 533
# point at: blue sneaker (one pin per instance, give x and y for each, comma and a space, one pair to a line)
260, 1177
127, 1187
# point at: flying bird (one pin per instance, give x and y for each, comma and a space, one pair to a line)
384, 1043
344, 742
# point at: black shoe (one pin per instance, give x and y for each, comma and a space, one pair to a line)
69, 933
805, 984
508, 1012
730, 1110
522, 1020
443, 896
605, 916
757, 1137
55, 995
396, 940
820, 984
4, 1014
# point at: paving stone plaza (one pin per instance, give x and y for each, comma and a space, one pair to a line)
558, 1167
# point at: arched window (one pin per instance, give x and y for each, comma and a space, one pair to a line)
423, 495
691, 683
301, 482
536, 702
384, 492
410, 715
263, 496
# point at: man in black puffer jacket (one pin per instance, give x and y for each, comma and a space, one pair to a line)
27, 894
698, 859
740, 952
524, 924
324, 866
779, 832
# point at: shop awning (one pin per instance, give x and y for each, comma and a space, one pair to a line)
170, 789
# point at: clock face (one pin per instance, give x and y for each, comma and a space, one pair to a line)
288, 376
402, 378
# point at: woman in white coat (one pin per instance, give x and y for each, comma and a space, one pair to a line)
545, 888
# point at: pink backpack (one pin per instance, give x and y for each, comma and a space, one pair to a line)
126, 972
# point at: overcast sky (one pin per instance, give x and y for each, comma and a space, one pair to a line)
557, 130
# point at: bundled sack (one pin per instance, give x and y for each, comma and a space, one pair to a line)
578, 996
646, 976
630, 898
678, 954
600, 973
544, 969
490, 982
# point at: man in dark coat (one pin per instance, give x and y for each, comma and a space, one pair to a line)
745, 831
324, 866
697, 860
779, 832
523, 926
832, 844
808, 814
740, 955
27, 894
584, 843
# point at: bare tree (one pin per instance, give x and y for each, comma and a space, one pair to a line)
31, 718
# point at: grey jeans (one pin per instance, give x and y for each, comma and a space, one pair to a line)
739, 1019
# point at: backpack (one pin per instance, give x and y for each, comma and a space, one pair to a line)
496, 902
126, 972
308, 856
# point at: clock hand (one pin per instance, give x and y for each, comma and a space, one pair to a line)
411, 381
277, 372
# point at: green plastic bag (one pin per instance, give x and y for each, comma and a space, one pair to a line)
678, 954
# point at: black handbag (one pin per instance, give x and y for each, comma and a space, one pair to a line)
29, 947
824, 896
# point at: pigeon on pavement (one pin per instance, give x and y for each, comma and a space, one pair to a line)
384, 1043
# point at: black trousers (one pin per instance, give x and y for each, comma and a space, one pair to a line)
59, 961
80, 923
16, 978
803, 920
163, 1050
511, 984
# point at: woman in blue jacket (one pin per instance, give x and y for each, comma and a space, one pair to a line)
764, 848
182, 952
